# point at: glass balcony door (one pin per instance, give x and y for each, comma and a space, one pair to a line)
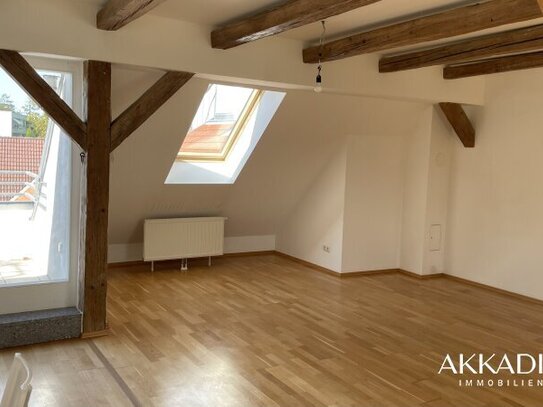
40, 173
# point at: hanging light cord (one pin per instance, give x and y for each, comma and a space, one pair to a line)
318, 80
321, 44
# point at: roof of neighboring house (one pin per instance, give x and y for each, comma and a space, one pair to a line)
209, 138
18, 154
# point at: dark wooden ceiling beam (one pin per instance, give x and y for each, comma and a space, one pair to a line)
143, 108
495, 65
26, 76
118, 13
460, 122
503, 43
285, 16
458, 21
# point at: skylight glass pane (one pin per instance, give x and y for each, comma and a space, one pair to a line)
215, 121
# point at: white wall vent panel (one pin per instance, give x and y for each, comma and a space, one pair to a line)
435, 238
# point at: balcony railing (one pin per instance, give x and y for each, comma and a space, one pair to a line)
27, 184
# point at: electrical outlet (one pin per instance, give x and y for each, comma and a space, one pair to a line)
326, 249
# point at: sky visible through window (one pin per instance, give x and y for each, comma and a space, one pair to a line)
20, 116
19, 97
219, 119
9, 87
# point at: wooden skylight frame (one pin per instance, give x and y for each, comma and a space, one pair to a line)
250, 107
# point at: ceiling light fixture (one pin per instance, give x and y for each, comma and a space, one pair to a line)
318, 81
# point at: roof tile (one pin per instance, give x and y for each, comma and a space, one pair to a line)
18, 154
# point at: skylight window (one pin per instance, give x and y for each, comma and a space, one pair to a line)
221, 118
224, 133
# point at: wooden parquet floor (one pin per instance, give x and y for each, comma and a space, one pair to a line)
265, 331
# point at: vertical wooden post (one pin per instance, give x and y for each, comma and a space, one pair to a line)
98, 149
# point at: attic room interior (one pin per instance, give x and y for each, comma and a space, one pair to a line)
271, 203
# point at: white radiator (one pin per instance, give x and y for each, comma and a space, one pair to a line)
182, 238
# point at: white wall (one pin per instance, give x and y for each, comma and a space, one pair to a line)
288, 157
426, 193
292, 152
442, 141
317, 219
415, 188
495, 213
373, 202
248, 244
396, 188
373, 194
124, 252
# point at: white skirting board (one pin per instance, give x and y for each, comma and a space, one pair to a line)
121, 253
